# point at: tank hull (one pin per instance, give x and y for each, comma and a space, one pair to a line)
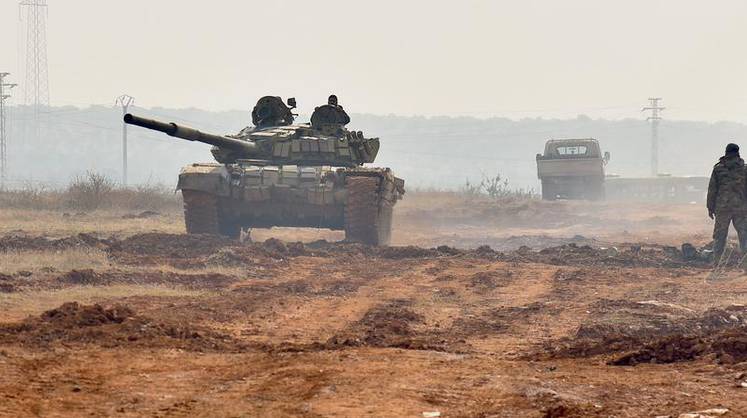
223, 199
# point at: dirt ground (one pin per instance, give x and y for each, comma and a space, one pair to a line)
481, 309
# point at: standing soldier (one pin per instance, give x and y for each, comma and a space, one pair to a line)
727, 199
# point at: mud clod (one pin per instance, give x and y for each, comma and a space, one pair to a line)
81, 277
726, 347
659, 333
396, 253
561, 410
485, 281
228, 257
110, 327
297, 249
387, 325
576, 275
90, 277
394, 318
157, 248
390, 325
40, 243
72, 314
275, 248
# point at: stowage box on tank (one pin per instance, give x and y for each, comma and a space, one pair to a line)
277, 173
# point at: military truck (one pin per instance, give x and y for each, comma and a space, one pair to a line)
277, 173
572, 169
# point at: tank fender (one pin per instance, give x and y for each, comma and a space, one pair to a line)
391, 188
209, 178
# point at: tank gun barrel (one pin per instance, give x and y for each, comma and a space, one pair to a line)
183, 132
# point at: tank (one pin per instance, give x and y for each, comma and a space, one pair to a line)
277, 173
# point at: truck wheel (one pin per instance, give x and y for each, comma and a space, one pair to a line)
366, 219
203, 214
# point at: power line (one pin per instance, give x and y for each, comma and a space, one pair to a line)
59, 113
3, 130
654, 118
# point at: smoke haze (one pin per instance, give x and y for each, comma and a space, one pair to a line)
456, 90
435, 152
477, 58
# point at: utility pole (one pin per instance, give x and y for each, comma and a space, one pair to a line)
125, 101
654, 118
36, 89
3, 130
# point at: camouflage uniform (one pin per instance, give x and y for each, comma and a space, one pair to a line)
727, 200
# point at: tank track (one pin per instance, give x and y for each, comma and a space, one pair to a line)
203, 215
368, 217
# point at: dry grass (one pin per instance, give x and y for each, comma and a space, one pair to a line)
424, 199
93, 258
111, 222
235, 271
104, 222
91, 192
16, 306
76, 258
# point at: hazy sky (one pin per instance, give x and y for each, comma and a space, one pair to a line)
483, 58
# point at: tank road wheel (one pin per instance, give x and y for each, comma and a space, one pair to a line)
548, 191
229, 227
367, 221
203, 215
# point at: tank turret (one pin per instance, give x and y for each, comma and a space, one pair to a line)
271, 111
274, 139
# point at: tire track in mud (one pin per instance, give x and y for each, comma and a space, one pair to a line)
473, 294
37, 376
504, 306
402, 318
324, 297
